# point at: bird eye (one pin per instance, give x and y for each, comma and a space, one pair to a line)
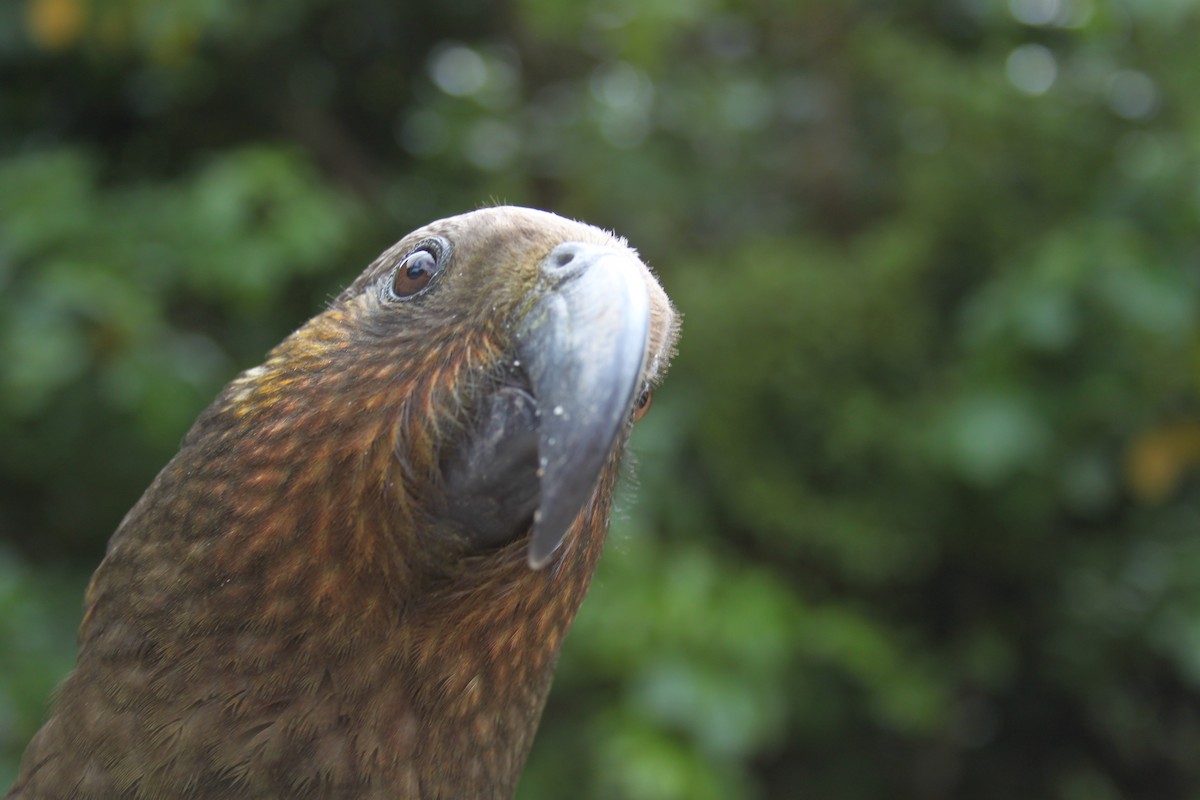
413, 275
642, 405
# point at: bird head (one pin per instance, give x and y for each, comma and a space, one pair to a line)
487, 366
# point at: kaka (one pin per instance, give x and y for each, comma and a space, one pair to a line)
354, 578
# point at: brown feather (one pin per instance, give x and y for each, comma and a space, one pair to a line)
281, 614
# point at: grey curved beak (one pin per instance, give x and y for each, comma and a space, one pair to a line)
582, 344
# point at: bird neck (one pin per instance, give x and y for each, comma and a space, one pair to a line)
269, 569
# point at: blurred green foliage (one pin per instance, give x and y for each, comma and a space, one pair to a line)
918, 510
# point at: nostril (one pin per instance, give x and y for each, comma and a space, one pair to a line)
562, 256
571, 258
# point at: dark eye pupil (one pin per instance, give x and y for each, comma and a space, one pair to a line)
414, 274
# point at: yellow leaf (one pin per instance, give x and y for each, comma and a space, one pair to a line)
1158, 459
54, 24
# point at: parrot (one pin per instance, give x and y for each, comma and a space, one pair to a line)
355, 577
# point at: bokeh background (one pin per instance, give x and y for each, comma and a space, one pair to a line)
917, 513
